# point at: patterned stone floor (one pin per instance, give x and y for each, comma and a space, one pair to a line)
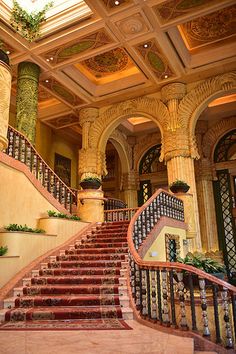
141, 340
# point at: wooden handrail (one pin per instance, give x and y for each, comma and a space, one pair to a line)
160, 289
172, 265
21, 149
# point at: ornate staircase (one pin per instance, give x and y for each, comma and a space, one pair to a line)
84, 286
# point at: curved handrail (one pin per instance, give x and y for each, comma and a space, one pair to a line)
160, 289
29, 156
114, 203
172, 265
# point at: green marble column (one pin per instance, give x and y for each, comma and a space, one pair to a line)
27, 99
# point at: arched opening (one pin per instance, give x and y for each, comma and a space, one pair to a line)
152, 174
225, 191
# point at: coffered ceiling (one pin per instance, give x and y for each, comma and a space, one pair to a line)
98, 52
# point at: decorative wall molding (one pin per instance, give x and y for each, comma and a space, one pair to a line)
213, 135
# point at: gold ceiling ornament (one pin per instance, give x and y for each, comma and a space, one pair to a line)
109, 62
28, 24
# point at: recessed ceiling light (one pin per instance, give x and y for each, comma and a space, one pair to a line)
117, 3
145, 45
51, 58
8, 52
46, 80
47, 59
166, 76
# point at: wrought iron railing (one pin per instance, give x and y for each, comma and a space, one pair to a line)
119, 214
175, 294
21, 149
113, 203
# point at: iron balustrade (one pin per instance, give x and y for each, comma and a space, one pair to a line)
174, 294
113, 203
119, 214
22, 150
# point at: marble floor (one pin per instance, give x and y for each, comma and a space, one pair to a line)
140, 340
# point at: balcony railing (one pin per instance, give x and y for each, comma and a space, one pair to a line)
21, 149
174, 294
113, 203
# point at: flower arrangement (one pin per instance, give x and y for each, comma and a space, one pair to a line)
28, 24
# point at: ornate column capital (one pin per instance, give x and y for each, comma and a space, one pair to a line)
175, 91
89, 115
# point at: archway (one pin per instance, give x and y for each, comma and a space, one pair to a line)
152, 173
224, 191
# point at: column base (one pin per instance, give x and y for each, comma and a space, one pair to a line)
91, 205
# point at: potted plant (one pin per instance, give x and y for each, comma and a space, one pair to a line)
179, 186
206, 264
91, 183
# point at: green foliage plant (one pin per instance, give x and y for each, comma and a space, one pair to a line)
199, 261
28, 24
3, 250
91, 179
54, 214
23, 228
178, 182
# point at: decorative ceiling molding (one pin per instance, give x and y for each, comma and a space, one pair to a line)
155, 59
63, 92
114, 4
63, 121
210, 28
132, 26
74, 48
168, 11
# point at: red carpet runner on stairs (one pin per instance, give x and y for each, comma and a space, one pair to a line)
78, 290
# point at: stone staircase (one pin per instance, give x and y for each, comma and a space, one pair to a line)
86, 282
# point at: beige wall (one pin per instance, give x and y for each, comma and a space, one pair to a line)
20, 201
48, 142
23, 248
159, 245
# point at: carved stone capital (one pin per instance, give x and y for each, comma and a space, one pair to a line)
174, 91
89, 114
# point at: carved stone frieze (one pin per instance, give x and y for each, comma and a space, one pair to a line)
175, 91
213, 135
5, 84
151, 107
178, 143
88, 115
196, 100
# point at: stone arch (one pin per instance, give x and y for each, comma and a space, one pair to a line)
151, 108
198, 98
214, 134
123, 149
